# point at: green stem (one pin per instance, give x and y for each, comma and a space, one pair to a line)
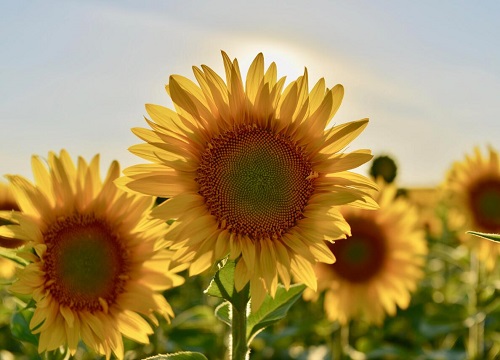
347, 350
336, 343
344, 338
340, 342
476, 331
239, 346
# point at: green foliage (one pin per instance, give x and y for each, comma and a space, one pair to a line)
195, 327
19, 326
11, 255
222, 284
273, 310
223, 312
492, 237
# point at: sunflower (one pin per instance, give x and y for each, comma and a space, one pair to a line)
7, 202
96, 267
251, 172
472, 189
385, 167
378, 266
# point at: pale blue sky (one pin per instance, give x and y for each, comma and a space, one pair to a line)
76, 74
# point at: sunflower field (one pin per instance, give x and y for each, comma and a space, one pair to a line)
245, 231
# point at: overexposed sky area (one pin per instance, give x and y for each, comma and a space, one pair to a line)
76, 74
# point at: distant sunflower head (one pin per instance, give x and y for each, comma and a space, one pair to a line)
383, 166
378, 267
250, 170
96, 264
472, 187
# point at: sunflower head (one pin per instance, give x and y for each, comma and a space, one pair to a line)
96, 265
378, 267
384, 167
251, 170
472, 190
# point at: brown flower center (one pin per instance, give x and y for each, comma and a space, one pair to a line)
361, 256
255, 182
484, 201
85, 264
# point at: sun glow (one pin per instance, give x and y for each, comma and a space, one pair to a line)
291, 58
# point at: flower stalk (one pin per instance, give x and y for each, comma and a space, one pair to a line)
238, 342
476, 329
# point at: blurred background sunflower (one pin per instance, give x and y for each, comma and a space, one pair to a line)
378, 267
472, 190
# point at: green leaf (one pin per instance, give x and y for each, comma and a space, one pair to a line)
184, 355
273, 310
222, 285
20, 328
12, 255
223, 312
491, 237
432, 330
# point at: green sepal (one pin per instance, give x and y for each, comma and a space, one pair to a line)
11, 254
223, 312
222, 284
